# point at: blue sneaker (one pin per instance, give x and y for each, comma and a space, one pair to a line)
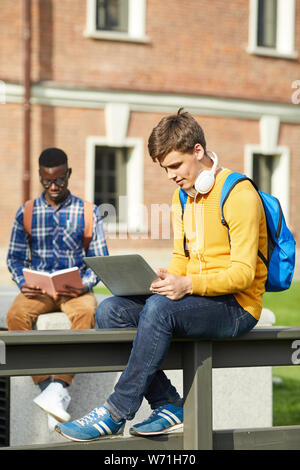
96, 424
163, 420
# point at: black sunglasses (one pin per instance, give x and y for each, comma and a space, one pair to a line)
60, 182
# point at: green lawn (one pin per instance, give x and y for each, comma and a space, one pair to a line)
285, 305
286, 395
101, 290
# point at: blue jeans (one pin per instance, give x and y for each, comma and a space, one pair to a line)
157, 320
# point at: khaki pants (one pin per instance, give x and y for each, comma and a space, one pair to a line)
24, 312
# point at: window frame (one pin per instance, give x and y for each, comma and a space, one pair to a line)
118, 172
281, 175
285, 42
134, 181
136, 23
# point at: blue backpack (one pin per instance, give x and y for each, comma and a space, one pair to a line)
281, 243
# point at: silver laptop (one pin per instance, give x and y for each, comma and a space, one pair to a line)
123, 274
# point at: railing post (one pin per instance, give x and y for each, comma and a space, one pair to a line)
197, 383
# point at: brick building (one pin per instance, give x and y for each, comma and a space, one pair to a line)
104, 72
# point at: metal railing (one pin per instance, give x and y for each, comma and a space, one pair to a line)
81, 351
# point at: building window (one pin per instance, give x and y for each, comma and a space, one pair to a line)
120, 20
115, 183
270, 171
110, 179
112, 15
267, 23
272, 28
263, 170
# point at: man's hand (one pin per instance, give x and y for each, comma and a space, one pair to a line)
171, 285
69, 291
31, 291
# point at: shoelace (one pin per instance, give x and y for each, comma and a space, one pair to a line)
85, 420
154, 413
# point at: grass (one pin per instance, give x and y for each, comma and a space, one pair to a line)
102, 290
286, 394
285, 305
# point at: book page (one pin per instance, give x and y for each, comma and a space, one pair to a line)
41, 280
70, 278
50, 283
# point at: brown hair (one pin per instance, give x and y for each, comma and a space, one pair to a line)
179, 132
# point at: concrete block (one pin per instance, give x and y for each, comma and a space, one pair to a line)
29, 424
52, 321
243, 396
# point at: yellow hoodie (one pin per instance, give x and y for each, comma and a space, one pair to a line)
216, 265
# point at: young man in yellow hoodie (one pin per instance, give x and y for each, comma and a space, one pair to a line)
212, 288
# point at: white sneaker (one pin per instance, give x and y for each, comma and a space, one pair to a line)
52, 422
55, 400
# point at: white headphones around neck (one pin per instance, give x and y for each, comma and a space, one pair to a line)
206, 179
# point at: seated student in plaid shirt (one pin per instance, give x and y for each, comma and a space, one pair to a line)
56, 243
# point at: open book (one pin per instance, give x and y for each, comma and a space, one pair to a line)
50, 283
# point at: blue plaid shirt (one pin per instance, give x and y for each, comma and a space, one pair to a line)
57, 240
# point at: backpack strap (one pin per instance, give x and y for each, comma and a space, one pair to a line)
27, 220
229, 184
27, 216
88, 224
183, 197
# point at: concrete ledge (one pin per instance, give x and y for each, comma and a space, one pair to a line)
52, 321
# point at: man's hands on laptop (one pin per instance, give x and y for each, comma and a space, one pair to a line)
171, 285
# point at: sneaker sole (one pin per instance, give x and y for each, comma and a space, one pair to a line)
169, 430
57, 417
77, 439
